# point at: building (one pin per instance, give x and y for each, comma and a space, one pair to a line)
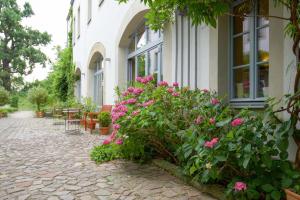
244, 59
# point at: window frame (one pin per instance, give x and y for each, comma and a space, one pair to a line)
146, 49
253, 100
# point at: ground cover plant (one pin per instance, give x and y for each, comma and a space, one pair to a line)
243, 150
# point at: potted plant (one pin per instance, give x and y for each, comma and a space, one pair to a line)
38, 96
104, 121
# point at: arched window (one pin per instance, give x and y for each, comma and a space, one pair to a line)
145, 53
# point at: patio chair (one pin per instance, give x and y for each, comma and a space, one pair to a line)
92, 117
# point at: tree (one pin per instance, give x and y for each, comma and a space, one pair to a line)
19, 45
163, 12
38, 96
4, 96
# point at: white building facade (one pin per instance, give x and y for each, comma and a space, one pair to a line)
244, 59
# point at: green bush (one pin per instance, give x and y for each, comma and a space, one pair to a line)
14, 101
105, 153
210, 141
4, 96
38, 96
104, 119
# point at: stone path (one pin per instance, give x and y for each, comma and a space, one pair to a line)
39, 161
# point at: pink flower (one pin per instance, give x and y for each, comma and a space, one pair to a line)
138, 79
131, 101
175, 84
126, 93
212, 120
148, 103
215, 101
163, 83
170, 90
175, 94
136, 112
116, 126
205, 90
107, 141
149, 78
237, 122
212, 143
138, 91
130, 89
240, 186
119, 141
199, 120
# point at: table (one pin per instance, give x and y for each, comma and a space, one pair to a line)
72, 121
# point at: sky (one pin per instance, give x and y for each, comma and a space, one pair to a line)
50, 16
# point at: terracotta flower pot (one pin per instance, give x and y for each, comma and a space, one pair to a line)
40, 114
290, 195
104, 130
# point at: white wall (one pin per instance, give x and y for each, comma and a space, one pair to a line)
103, 29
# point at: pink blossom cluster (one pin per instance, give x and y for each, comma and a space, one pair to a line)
175, 84
240, 186
215, 101
199, 120
144, 80
175, 94
136, 112
237, 122
132, 90
131, 101
148, 103
212, 120
111, 138
119, 141
205, 90
212, 143
170, 90
163, 84
116, 127
119, 111
125, 94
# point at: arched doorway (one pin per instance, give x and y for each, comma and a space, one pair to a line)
96, 78
139, 47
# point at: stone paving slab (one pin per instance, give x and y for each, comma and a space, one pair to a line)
39, 161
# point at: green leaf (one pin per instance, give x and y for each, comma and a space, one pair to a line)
192, 170
246, 161
286, 182
223, 123
247, 148
252, 194
276, 195
221, 158
267, 188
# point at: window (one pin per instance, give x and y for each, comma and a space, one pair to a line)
145, 51
98, 81
250, 51
89, 11
78, 23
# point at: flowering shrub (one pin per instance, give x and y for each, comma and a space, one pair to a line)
211, 142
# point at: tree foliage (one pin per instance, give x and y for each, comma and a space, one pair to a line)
4, 96
19, 45
38, 96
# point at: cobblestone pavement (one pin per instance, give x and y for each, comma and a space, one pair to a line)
39, 161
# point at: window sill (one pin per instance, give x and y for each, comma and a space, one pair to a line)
248, 104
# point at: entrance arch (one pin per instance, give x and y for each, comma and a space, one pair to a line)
96, 75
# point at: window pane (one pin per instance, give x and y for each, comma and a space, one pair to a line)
132, 45
153, 60
263, 44
241, 24
241, 82
241, 50
263, 9
153, 36
263, 80
141, 65
131, 70
141, 37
